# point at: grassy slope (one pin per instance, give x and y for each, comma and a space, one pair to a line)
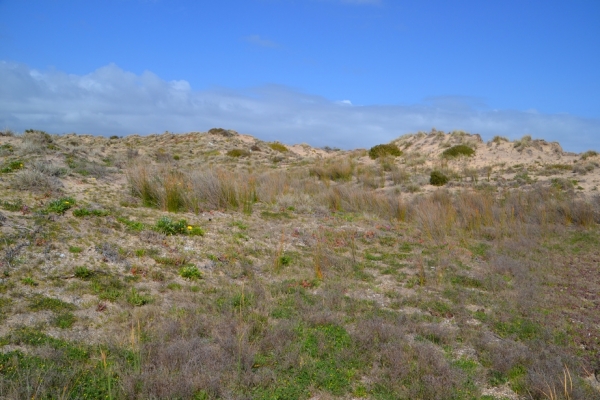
160, 267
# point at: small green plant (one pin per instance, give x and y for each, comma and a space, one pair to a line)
457, 151
285, 260
64, 320
174, 286
60, 206
86, 212
140, 252
278, 147
133, 225
75, 249
382, 150
12, 166
40, 303
83, 272
190, 272
437, 178
168, 226
16, 205
137, 299
29, 281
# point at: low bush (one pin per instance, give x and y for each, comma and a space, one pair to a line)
457, 151
382, 150
278, 147
190, 272
35, 181
437, 178
335, 171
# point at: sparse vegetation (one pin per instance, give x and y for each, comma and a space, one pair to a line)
327, 276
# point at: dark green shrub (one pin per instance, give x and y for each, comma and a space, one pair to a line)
83, 272
459, 150
382, 150
438, 178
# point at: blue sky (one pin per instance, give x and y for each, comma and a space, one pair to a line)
346, 73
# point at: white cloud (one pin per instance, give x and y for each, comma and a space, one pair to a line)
110, 101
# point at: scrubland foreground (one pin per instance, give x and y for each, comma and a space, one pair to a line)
215, 265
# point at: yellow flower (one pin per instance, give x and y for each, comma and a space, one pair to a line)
66, 202
190, 227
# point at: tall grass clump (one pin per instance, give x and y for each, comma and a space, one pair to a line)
336, 170
171, 189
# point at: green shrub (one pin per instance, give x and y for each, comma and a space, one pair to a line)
437, 178
238, 153
168, 226
382, 150
190, 272
29, 281
278, 147
459, 150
